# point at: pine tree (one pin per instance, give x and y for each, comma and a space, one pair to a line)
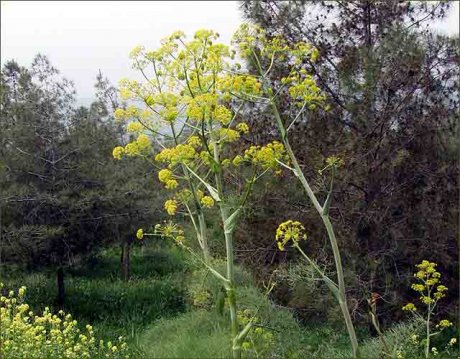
392, 87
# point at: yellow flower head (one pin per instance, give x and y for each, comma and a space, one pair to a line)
243, 128
171, 206
119, 114
132, 149
228, 135
171, 230
335, 161
134, 127
194, 141
140, 233
171, 184
445, 323
165, 175
207, 201
268, 157
143, 141
410, 307
117, 152
290, 230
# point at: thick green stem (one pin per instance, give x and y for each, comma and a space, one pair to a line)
228, 233
341, 283
427, 347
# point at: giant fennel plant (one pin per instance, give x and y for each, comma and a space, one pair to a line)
263, 52
184, 104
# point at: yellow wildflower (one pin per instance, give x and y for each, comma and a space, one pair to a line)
132, 149
143, 142
207, 201
228, 135
410, 307
445, 323
140, 233
117, 152
242, 127
119, 114
171, 206
171, 184
134, 127
194, 141
289, 230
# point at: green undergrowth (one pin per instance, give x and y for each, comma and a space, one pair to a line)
172, 308
203, 330
96, 295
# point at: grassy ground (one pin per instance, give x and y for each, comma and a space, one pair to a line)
170, 309
96, 295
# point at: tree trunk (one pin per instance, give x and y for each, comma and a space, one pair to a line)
60, 287
125, 260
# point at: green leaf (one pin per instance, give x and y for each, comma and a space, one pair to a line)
230, 222
212, 191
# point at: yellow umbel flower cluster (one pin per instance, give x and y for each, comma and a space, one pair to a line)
171, 206
140, 233
134, 127
252, 37
303, 88
429, 287
228, 135
172, 231
207, 201
290, 231
268, 157
166, 176
182, 153
239, 84
136, 148
55, 336
118, 152
194, 141
243, 128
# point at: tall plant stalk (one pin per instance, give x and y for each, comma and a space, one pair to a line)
323, 210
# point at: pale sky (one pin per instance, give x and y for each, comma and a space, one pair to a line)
81, 37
